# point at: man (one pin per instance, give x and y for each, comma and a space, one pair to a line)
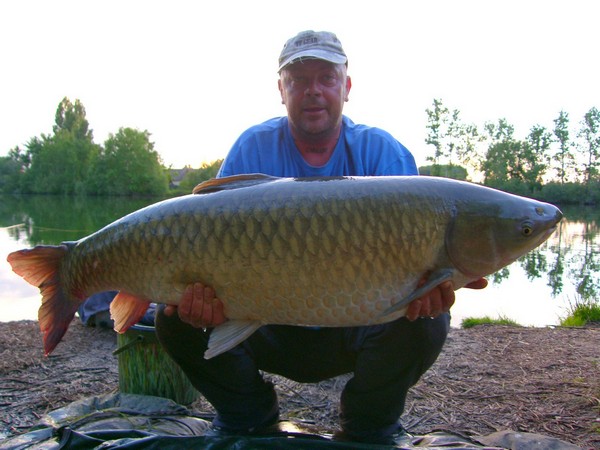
315, 139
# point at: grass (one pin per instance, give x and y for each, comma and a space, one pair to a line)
469, 322
581, 313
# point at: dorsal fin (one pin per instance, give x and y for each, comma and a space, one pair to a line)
232, 182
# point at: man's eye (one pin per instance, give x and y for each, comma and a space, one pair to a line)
328, 79
298, 81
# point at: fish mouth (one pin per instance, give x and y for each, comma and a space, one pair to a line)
558, 215
550, 224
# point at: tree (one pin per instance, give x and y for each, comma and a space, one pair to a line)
437, 118
534, 158
502, 163
128, 165
72, 118
68, 162
10, 170
502, 159
60, 163
589, 147
498, 132
197, 176
467, 151
454, 141
445, 170
21, 158
564, 158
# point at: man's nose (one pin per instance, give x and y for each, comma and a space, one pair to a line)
313, 87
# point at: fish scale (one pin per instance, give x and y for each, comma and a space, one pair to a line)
320, 252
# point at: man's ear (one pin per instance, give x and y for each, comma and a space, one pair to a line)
348, 87
281, 92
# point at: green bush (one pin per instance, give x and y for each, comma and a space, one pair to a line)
582, 313
469, 322
570, 193
445, 170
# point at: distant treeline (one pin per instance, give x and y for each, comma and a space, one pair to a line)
69, 162
559, 165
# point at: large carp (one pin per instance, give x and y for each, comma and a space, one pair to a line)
340, 251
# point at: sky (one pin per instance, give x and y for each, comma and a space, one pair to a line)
196, 74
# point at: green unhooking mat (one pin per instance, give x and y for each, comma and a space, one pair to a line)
129, 421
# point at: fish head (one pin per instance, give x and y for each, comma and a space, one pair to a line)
489, 234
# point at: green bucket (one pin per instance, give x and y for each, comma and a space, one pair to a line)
145, 368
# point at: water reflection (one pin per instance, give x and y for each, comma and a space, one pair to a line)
52, 220
573, 248
551, 277
32, 220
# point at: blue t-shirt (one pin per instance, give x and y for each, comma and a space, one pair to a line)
360, 151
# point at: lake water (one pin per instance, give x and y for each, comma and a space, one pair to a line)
535, 291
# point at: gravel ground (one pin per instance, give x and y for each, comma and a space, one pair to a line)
488, 378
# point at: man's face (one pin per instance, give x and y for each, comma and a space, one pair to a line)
314, 92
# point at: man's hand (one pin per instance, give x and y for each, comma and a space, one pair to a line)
199, 307
439, 300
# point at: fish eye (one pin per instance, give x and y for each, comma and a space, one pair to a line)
527, 229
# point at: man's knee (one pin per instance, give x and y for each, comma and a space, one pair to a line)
403, 345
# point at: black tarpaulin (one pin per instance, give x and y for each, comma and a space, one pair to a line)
128, 421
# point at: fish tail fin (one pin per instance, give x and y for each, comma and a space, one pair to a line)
39, 266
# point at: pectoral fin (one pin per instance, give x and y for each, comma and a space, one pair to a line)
437, 277
228, 335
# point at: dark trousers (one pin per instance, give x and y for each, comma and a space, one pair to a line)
386, 361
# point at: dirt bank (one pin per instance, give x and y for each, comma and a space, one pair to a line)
488, 378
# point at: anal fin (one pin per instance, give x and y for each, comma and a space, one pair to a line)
228, 335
